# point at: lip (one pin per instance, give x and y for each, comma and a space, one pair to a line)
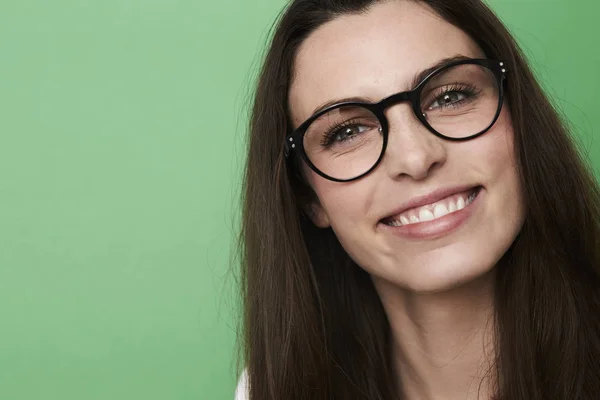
438, 227
430, 198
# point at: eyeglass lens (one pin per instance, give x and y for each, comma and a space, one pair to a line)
458, 102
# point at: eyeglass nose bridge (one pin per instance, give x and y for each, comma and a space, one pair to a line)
411, 96
395, 99
383, 105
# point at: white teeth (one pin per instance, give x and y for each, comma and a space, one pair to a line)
452, 207
425, 215
440, 210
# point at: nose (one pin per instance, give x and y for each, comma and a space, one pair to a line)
411, 149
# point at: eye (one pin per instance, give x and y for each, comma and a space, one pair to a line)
349, 132
343, 134
447, 99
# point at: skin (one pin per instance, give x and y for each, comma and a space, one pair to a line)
437, 293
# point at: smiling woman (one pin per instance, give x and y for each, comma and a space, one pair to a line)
417, 222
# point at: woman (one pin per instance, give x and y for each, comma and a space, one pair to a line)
417, 222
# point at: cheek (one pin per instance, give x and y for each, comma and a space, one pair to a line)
494, 159
347, 207
492, 155
346, 204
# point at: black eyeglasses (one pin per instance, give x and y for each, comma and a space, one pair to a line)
458, 101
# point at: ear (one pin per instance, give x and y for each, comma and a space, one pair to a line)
317, 214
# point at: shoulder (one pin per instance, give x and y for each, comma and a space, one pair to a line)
241, 392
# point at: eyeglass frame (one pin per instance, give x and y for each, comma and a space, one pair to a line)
294, 140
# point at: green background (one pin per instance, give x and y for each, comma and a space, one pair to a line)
121, 146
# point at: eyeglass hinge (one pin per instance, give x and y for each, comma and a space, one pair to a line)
289, 144
504, 69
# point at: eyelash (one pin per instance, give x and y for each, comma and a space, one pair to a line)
329, 134
469, 90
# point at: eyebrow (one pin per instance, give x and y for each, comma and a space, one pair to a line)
418, 78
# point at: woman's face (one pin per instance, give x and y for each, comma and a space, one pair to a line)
374, 55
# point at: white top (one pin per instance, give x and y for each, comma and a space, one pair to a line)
241, 392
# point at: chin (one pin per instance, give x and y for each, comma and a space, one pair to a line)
439, 282
431, 278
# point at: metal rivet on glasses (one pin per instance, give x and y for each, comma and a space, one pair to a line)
501, 64
293, 146
291, 139
503, 70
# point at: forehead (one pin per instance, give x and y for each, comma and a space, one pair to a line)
371, 55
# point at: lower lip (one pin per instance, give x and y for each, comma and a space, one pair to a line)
438, 227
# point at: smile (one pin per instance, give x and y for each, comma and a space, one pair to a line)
433, 211
434, 220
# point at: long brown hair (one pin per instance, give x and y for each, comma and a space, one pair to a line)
314, 327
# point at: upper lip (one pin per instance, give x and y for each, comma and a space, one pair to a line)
432, 197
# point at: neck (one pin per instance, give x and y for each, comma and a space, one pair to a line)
443, 342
